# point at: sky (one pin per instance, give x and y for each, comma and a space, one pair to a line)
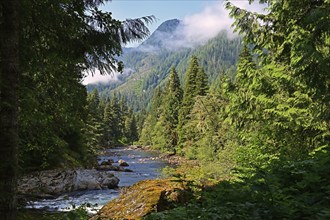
202, 19
162, 9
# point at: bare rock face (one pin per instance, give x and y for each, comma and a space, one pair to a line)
56, 182
143, 198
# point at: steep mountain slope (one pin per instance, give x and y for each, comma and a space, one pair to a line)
151, 61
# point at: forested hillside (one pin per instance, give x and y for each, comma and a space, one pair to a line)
151, 61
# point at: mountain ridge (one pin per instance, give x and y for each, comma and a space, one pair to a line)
151, 61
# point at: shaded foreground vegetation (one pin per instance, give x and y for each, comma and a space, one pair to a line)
284, 190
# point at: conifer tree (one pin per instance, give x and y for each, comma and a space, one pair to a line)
173, 98
195, 84
172, 103
94, 126
148, 130
166, 137
189, 89
283, 100
201, 82
113, 122
130, 129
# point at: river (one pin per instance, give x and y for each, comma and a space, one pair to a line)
142, 163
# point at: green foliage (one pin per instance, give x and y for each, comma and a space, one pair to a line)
118, 122
190, 90
206, 130
55, 108
93, 127
287, 190
277, 109
130, 129
57, 127
269, 125
170, 116
112, 122
201, 83
195, 84
77, 214
148, 131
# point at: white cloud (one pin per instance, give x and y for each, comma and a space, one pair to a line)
98, 78
202, 26
206, 24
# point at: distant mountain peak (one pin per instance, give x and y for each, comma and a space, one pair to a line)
168, 26
164, 32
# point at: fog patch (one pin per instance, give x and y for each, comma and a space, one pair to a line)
97, 78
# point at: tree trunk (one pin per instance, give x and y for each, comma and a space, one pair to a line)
9, 81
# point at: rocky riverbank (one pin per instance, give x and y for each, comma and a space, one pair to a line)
51, 183
51, 191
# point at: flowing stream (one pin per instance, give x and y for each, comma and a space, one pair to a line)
143, 164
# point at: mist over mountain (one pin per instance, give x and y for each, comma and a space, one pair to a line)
149, 63
164, 34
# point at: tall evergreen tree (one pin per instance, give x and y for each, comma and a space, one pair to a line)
113, 122
94, 125
173, 98
148, 130
171, 106
165, 134
131, 131
201, 82
189, 89
195, 84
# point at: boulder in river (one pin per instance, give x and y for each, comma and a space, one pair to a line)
105, 163
123, 163
143, 198
56, 182
112, 168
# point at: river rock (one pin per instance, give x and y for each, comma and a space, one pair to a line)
134, 147
112, 168
123, 163
143, 198
56, 182
105, 163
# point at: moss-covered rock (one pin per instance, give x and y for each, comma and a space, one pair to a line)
143, 198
